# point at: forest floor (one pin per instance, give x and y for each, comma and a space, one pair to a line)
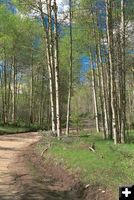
12, 129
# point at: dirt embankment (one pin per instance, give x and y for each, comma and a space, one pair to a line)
24, 176
60, 180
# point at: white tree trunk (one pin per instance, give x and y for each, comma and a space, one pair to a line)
56, 54
123, 86
110, 52
70, 73
103, 93
47, 37
95, 97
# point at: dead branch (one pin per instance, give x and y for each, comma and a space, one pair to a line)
91, 149
46, 149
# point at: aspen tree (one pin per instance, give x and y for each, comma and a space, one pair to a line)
56, 57
70, 71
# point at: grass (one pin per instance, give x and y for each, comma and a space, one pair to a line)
10, 129
110, 165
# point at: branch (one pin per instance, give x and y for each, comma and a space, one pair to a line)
91, 149
44, 150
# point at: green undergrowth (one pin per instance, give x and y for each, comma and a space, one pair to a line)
111, 165
10, 129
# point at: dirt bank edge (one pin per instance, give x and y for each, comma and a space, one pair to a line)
69, 181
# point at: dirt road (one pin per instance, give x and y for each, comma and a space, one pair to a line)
11, 165
17, 181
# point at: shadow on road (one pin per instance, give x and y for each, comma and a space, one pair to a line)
34, 193
5, 197
39, 193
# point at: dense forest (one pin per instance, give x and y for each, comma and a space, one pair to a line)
68, 65
66, 99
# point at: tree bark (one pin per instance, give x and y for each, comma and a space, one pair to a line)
14, 91
32, 92
5, 112
46, 30
104, 101
112, 69
123, 88
95, 96
70, 72
58, 120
